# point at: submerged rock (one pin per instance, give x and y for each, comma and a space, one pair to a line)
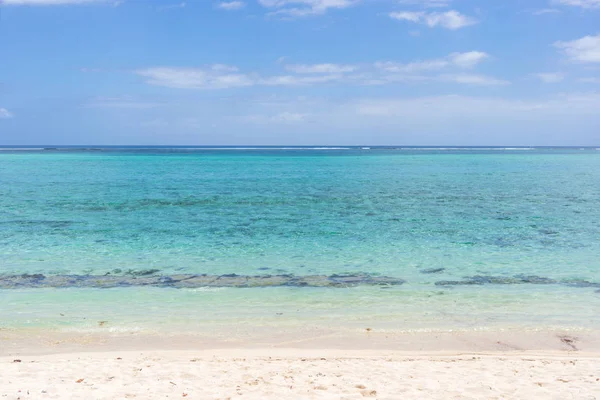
457, 283
147, 278
582, 284
536, 280
143, 272
483, 280
514, 280
432, 270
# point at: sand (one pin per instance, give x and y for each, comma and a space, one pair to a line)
300, 374
459, 365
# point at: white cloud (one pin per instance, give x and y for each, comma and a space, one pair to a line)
302, 8
5, 114
470, 79
396, 119
468, 59
294, 80
412, 16
224, 68
427, 3
214, 77
231, 5
269, 118
219, 76
590, 80
550, 77
412, 67
48, 2
450, 19
320, 68
546, 11
378, 80
565, 119
550, 120
289, 117
580, 3
463, 79
461, 107
586, 49
461, 60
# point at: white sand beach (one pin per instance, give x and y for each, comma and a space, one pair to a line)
464, 365
300, 374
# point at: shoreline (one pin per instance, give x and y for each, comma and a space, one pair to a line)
44, 342
318, 362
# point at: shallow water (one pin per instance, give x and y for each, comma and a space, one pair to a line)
477, 237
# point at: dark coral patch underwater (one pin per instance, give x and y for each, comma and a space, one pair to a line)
192, 280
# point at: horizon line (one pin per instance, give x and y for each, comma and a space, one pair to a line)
286, 145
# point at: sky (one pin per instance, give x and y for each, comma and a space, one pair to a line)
300, 72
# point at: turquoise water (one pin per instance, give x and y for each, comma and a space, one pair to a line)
480, 237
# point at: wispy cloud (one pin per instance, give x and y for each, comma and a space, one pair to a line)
295, 80
450, 19
472, 79
585, 50
544, 11
427, 3
231, 5
303, 8
589, 80
412, 16
213, 77
285, 117
550, 77
580, 3
461, 60
461, 79
460, 107
5, 114
320, 68
289, 117
412, 67
427, 119
469, 59
219, 76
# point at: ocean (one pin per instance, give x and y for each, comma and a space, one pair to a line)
200, 240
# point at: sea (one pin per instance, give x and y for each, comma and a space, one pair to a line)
404, 239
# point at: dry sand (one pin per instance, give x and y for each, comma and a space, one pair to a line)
346, 365
300, 374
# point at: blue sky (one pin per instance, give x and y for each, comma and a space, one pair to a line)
412, 72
